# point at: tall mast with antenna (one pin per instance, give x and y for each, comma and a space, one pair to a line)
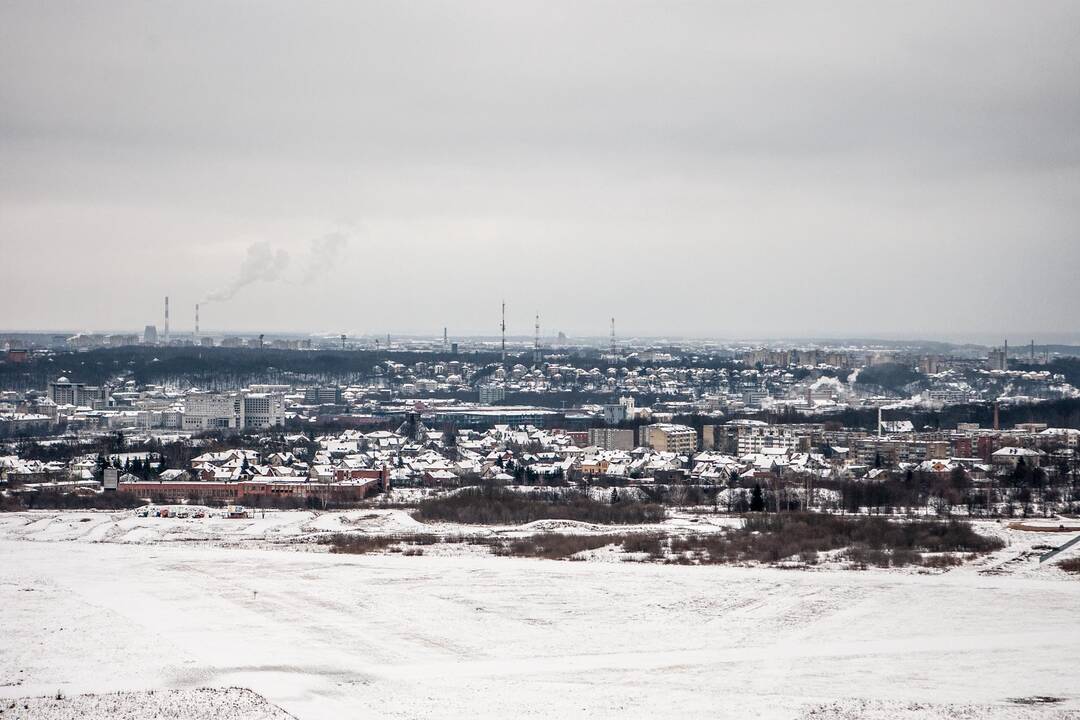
536, 342
503, 327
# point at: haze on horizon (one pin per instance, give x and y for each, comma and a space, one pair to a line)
713, 169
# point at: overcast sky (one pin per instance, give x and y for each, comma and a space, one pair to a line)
719, 169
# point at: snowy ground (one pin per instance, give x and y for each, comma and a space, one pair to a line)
331, 636
301, 530
288, 527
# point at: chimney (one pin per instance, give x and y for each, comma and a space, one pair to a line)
997, 418
196, 336
166, 319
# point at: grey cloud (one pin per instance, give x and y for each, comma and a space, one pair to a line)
773, 167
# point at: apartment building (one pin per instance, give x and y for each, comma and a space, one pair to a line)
491, 394
668, 437
262, 410
236, 411
888, 452
329, 395
611, 438
743, 437
210, 411
64, 392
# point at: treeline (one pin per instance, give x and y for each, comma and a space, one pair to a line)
164, 455
221, 368
772, 538
493, 505
1068, 366
1055, 413
212, 368
891, 376
768, 539
49, 500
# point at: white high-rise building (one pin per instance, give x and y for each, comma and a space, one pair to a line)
262, 410
210, 411
233, 411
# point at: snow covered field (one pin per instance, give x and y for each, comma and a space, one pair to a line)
332, 636
290, 528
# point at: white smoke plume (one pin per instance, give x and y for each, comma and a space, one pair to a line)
261, 264
324, 253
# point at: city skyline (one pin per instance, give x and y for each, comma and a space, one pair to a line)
579, 359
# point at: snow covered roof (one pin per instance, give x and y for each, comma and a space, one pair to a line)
1017, 452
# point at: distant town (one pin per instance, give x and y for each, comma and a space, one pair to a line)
318, 420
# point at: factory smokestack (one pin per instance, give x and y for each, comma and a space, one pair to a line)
196, 323
166, 319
